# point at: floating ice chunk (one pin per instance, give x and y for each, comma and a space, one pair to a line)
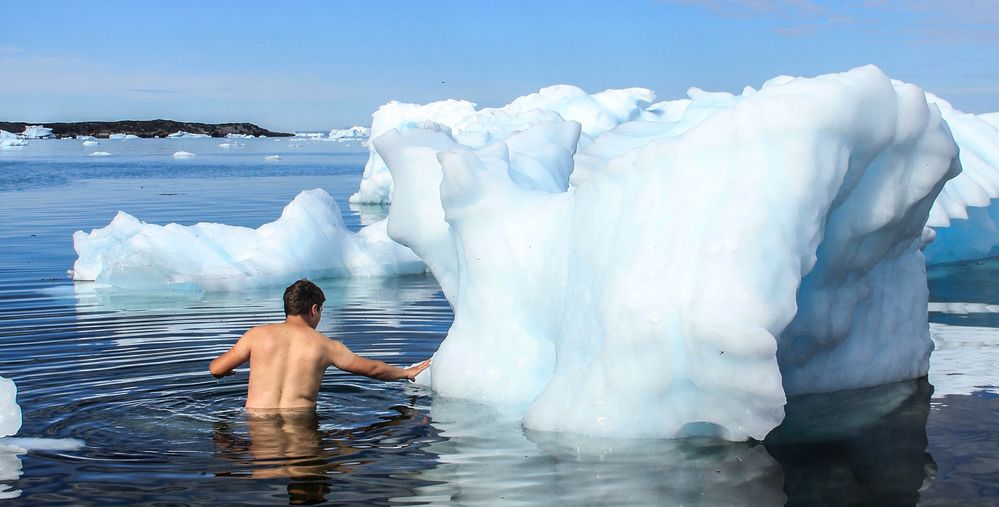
231, 145
85, 138
100, 154
238, 136
308, 240
187, 135
10, 140
90, 143
36, 132
123, 136
747, 247
183, 154
273, 158
10, 412
355, 133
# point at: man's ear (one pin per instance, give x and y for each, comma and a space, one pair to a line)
315, 310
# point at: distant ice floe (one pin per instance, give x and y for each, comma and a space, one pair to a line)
273, 158
183, 154
186, 135
90, 143
8, 140
36, 132
239, 136
100, 154
355, 133
85, 138
231, 145
123, 136
308, 240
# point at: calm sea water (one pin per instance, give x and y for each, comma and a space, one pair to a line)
126, 373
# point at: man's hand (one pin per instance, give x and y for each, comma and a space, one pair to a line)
415, 370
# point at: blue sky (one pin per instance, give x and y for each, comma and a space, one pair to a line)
319, 65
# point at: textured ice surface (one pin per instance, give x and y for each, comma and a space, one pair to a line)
10, 413
308, 240
596, 114
705, 264
965, 216
182, 154
123, 136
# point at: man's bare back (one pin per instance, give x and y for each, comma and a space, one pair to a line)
288, 360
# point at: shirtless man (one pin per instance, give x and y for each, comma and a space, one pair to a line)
288, 360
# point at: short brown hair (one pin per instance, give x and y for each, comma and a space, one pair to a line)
300, 296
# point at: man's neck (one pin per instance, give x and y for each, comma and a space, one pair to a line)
296, 320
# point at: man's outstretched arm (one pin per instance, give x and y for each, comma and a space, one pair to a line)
342, 357
231, 359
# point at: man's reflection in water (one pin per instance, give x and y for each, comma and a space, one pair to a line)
289, 443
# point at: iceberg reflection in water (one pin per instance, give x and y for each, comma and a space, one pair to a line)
861, 446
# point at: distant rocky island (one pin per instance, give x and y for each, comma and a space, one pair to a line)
145, 128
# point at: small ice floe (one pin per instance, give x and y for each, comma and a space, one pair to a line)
91, 143
123, 136
84, 138
100, 154
231, 145
183, 154
273, 157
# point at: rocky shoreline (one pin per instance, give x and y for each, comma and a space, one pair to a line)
144, 128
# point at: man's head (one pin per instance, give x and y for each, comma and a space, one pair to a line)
305, 299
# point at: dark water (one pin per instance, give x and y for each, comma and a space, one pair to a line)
126, 373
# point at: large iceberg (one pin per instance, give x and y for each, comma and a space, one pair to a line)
596, 113
697, 271
308, 240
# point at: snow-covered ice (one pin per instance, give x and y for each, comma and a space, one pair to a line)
308, 240
183, 154
123, 136
100, 154
596, 113
90, 143
273, 158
